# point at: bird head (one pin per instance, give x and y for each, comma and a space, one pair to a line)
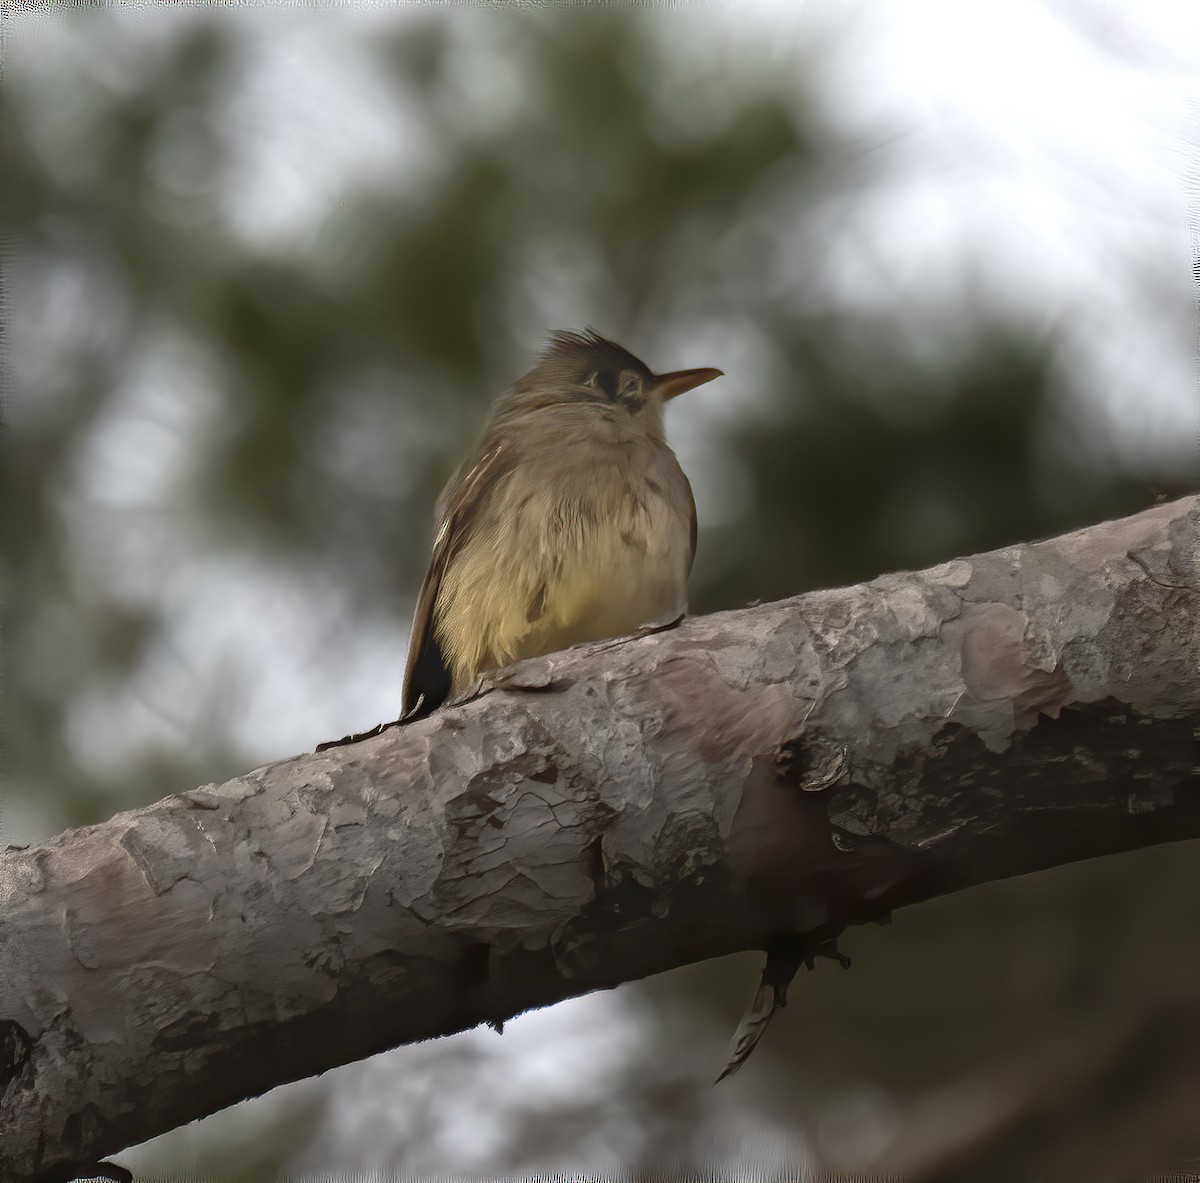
585, 368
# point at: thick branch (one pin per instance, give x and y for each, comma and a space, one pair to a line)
603, 815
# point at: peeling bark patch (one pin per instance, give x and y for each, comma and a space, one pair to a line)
687, 844
1004, 687
161, 868
996, 664
23, 872
201, 798
188, 1031
299, 840
811, 763
170, 999
956, 574
82, 938
518, 830
728, 722
1050, 771
348, 887
539, 680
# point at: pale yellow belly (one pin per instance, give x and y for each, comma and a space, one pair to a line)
536, 591
608, 595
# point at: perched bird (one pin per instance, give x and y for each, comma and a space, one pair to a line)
572, 521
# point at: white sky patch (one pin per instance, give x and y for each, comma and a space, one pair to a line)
1037, 161
1047, 174
142, 454
1039, 158
312, 116
272, 656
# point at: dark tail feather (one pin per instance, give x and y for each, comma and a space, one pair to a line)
428, 684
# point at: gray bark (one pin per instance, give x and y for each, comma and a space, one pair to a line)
596, 816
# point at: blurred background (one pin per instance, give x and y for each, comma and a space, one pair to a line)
265, 270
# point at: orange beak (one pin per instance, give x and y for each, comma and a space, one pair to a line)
669, 385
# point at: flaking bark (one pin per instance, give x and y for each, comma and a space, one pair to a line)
597, 816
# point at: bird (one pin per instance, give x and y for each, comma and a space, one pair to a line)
572, 521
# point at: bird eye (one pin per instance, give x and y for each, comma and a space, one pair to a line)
605, 381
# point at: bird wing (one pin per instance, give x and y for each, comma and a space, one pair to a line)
427, 678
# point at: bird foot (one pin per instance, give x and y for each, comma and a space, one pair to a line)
646, 630
378, 729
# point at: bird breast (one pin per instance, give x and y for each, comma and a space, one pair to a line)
576, 544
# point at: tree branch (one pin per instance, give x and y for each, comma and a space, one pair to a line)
596, 816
